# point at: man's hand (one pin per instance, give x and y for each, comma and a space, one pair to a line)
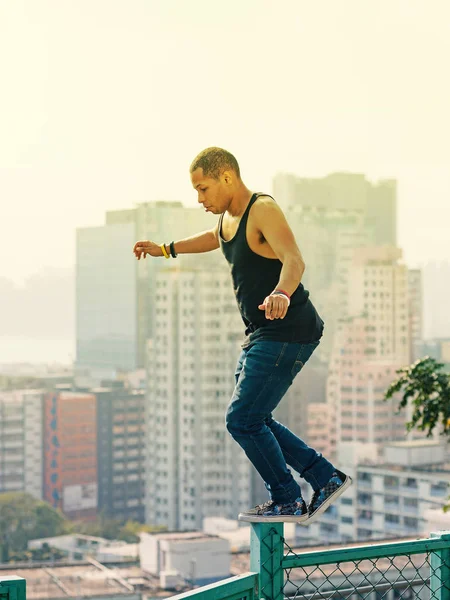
146, 247
275, 305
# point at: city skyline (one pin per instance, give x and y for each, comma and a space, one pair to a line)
105, 108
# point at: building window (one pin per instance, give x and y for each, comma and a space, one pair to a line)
392, 518
348, 520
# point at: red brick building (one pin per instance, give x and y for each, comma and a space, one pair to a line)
70, 453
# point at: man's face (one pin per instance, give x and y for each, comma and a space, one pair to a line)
212, 193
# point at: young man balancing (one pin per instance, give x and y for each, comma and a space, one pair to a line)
282, 331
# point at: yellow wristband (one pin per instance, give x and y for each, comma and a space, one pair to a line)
164, 251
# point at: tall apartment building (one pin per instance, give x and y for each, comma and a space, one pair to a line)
415, 298
369, 346
373, 346
115, 292
379, 292
330, 218
340, 193
436, 275
194, 468
121, 432
70, 453
21, 442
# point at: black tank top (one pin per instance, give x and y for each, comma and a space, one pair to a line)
255, 277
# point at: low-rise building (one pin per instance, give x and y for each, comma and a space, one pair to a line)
394, 488
79, 547
187, 556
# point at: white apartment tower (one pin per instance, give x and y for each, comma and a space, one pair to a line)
194, 468
415, 297
370, 345
378, 291
21, 442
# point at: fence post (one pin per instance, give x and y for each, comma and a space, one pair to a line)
440, 569
16, 587
266, 556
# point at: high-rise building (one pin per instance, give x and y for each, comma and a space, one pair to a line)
121, 432
70, 453
331, 217
415, 298
21, 442
115, 292
339, 193
436, 275
194, 468
106, 303
378, 291
370, 345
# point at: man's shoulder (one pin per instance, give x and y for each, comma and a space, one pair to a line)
265, 206
264, 202
265, 198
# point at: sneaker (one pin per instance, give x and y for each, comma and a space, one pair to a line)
323, 497
294, 512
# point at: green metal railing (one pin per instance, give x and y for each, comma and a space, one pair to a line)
416, 569
12, 588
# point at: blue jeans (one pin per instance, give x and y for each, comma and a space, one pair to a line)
264, 372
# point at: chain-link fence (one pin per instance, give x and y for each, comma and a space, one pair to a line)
418, 569
405, 576
412, 569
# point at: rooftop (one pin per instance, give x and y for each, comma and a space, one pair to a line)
183, 535
414, 444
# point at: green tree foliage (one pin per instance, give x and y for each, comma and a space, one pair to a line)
113, 529
23, 518
427, 389
44, 554
129, 532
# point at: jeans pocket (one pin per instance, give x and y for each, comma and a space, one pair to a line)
303, 356
297, 367
265, 356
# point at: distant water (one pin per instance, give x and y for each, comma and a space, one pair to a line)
32, 350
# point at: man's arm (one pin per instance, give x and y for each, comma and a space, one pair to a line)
200, 242
206, 241
270, 220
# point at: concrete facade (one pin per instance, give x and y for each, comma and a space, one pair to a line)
194, 468
21, 442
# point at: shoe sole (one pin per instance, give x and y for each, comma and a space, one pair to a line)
323, 507
274, 519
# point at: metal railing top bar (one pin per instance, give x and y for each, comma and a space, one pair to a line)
368, 551
240, 586
13, 588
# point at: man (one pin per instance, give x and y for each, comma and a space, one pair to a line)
282, 331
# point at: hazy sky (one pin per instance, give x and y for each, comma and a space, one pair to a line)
104, 103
